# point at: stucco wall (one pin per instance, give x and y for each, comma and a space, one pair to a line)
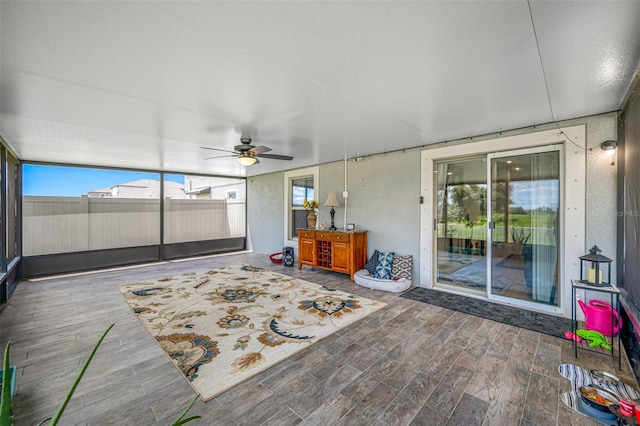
384, 195
600, 185
265, 199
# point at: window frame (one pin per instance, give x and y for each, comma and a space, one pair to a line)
289, 177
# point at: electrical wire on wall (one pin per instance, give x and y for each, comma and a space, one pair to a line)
546, 86
544, 78
345, 194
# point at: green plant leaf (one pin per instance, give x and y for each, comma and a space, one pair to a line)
6, 415
187, 420
182, 421
64, 404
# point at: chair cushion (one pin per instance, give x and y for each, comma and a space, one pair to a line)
402, 267
372, 263
383, 268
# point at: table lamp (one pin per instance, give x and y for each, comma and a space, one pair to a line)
332, 201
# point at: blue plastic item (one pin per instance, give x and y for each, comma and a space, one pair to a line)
12, 382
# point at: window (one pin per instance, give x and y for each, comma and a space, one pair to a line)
299, 184
232, 195
301, 189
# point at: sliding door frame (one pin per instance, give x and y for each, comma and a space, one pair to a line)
572, 143
531, 305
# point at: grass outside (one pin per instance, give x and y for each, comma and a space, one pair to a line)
536, 220
543, 236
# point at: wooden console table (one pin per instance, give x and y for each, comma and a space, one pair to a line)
337, 251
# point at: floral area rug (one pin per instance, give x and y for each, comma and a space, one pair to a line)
223, 326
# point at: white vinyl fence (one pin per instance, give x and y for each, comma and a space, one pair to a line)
70, 224
197, 220
237, 218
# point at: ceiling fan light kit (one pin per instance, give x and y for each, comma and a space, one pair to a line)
247, 160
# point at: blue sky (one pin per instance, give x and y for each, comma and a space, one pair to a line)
75, 181
299, 194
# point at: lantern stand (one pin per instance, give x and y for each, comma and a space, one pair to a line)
595, 276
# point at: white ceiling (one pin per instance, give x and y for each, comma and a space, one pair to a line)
146, 84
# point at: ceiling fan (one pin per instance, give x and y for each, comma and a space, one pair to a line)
247, 154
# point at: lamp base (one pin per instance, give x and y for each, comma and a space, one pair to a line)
333, 213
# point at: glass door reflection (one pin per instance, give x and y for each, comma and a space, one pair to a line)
525, 197
461, 224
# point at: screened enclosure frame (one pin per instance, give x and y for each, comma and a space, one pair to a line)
35, 264
10, 222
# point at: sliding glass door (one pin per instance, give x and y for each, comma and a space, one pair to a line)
496, 227
525, 198
461, 223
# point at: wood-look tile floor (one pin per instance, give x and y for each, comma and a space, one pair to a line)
409, 363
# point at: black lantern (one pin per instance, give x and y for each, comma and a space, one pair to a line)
595, 269
287, 256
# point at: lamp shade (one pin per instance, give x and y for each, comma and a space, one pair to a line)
246, 160
332, 200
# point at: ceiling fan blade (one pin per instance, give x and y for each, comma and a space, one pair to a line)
217, 149
220, 156
275, 156
259, 150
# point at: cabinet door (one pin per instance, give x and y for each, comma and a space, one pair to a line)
305, 251
341, 257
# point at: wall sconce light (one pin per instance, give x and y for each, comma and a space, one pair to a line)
609, 147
